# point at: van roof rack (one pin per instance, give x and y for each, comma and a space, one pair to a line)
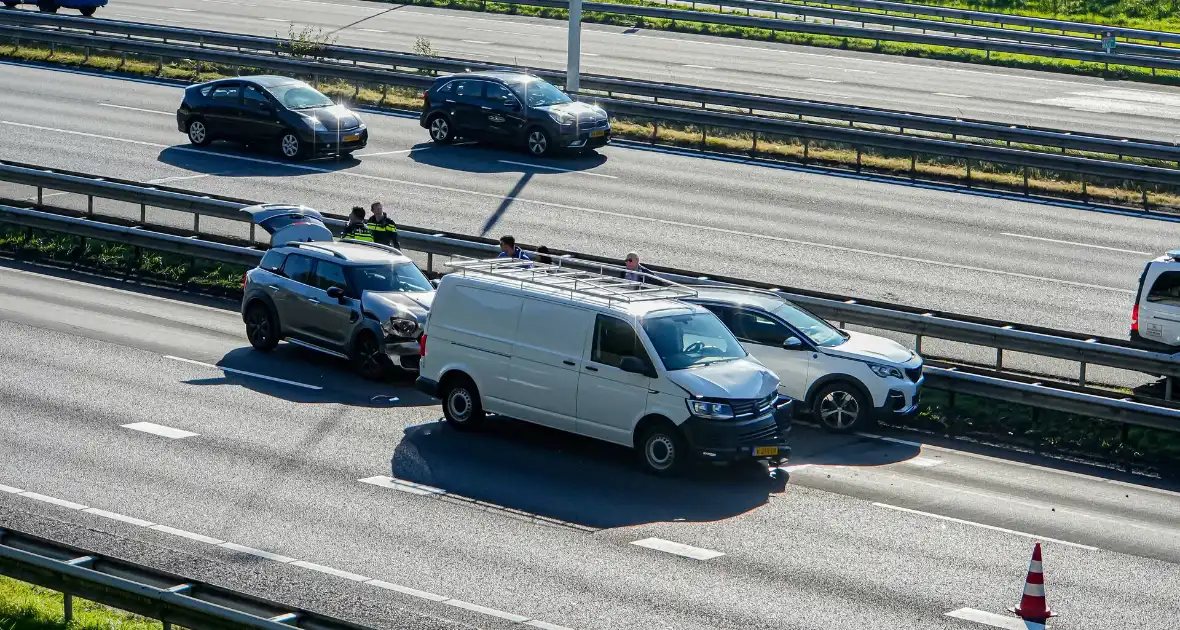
599, 284
313, 245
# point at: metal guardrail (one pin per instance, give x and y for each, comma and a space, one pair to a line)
999, 335
152, 593
614, 86
1004, 19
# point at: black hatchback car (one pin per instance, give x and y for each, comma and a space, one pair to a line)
513, 107
285, 113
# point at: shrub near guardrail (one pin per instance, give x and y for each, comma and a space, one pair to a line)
821, 153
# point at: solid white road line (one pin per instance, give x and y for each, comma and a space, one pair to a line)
184, 10
355, 577
554, 168
115, 516
372, 30
687, 551
159, 429
89, 285
549, 204
994, 620
244, 373
949, 95
1053, 240
178, 178
52, 500
258, 553
823, 80
981, 525
137, 109
402, 485
693, 65
274, 20
187, 534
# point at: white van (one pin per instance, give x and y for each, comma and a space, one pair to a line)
597, 355
1156, 316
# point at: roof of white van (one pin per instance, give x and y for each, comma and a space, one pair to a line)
638, 308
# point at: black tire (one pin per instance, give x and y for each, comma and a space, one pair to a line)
538, 142
198, 132
47, 7
842, 407
10, 5
261, 327
370, 360
662, 450
461, 404
88, 11
440, 128
290, 146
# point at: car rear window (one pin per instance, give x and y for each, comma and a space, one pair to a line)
273, 260
1166, 289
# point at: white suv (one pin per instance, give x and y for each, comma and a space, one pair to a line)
1156, 318
847, 379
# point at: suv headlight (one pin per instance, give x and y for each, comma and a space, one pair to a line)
711, 410
886, 371
400, 327
562, 118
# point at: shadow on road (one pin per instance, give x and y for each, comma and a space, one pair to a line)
493, 158
228, 159
304, 371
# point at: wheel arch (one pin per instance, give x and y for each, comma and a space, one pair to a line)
648, 421
837, 377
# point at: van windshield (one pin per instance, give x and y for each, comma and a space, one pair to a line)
399, 278
691, 340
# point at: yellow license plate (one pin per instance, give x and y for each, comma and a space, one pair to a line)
760, 451
597, 134
351, 138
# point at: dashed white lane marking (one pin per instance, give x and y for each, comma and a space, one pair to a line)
823, 80
372, 30
492, 30
115, 516
405, 590
950, 95
554, 168
994, 620
184, 10
52, 500
209, 540
687, 551
609, 213
693, 65
258, 553
244, 373
402, 485
983, 526
476, 41
1053, 240
274, 20
159, 429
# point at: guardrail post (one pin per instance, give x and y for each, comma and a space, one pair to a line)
754, 147
89, 205
1082, 374
68, 607
913, 166
39, 195
1145, 205
1167, 388
429, 261
918, 344
86, 54
1085, 195
858, 153
196, 223
999, 359
968, 172
1026, 181
143, 213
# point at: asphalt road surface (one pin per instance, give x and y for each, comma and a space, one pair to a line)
979, 254
141, 425
1054, 100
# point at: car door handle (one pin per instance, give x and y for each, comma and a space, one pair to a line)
568, 362
591, 369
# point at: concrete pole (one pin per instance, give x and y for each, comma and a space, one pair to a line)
574, 49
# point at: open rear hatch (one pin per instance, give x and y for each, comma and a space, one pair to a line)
288, 223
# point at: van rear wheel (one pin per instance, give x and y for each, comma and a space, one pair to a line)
663, 450
461, 405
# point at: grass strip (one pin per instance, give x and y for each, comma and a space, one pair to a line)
120, 260
969, 417
1151, 15
862, 44
1040, 182
27, 607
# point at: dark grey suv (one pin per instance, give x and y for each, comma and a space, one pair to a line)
353, 300
515, 108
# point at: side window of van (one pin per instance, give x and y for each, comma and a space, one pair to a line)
614, 340
1166, 289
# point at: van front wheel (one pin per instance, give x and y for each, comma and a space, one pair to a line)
663, 450
461, 405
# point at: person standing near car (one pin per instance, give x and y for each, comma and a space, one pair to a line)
508, 248
382, 226
356, 228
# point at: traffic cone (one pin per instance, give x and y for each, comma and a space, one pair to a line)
1033, 606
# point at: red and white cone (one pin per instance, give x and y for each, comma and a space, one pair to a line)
1033, 606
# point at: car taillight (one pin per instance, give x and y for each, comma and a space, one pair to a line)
1135, 318
422, 346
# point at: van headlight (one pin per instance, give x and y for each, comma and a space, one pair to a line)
886, 371
710, 410
400, 327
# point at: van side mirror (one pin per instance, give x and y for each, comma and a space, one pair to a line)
336, 293
634, 365
792, 343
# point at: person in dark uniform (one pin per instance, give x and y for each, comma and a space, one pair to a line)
382, 226
356, 228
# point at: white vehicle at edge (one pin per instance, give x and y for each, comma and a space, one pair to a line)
846, 378
611, 359
1156, 317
